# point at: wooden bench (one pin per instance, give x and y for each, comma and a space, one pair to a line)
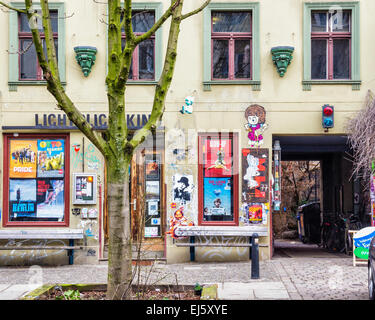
45, 234
224, 231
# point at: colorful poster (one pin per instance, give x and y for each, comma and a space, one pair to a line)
255, 175
217, 197
22, 198
217, 157
22, 162
50, 198
50, 158
84, 188
152, 170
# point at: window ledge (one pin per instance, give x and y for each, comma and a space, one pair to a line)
356, 84
254, 83
14, 84
136, 82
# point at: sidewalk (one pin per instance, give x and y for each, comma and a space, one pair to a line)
295, 273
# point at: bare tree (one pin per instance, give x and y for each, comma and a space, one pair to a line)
114, 143
361, 135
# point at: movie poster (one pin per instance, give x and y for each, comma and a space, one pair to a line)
22, 162
217, 197
51, 158
50, 198
217, 157
255, 185
22, 198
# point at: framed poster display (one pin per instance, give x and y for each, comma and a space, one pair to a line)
36, 180
84, 188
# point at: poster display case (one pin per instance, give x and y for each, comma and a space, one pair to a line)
84, 188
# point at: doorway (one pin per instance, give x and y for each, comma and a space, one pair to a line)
322, 165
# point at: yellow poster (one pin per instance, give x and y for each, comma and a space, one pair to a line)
23, 155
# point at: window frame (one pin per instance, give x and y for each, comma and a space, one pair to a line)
14, 66
235, 176
231, 37
6, 142
28, 36
308, 35
157, 7
254, 80
135, 56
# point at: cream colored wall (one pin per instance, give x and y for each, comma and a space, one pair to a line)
290, 110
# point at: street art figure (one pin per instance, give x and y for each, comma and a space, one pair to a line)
188, 107
256, 118
252, 171
181, 190
178, 220
219, 163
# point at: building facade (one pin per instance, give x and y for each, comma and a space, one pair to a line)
250, 77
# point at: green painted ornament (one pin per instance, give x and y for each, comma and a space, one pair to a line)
281, 57
85, 57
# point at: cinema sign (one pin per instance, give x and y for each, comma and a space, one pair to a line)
60, 121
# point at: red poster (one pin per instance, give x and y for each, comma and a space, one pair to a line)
217, 158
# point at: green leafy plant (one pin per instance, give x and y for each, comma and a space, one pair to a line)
69, 295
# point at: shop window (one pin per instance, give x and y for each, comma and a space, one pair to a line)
36, 180
231, 44
331, 44
24, 68
218, 179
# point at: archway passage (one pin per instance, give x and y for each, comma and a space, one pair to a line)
318, 192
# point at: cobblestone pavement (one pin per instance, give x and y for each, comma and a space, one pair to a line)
306, 272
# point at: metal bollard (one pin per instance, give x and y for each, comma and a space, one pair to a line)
254, 257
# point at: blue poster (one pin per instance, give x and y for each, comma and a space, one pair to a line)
217, 197
22, 198
50, 158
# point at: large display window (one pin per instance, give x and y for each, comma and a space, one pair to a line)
36, 180
218, 179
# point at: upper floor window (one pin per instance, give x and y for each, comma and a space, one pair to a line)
330, 45
231, 37
24, 69
29, 68
143, 59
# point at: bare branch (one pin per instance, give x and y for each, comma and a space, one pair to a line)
12, 8
204, 5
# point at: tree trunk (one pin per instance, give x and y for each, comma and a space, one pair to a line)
120, 244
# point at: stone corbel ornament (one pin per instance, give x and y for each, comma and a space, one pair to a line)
281, 57
85, 57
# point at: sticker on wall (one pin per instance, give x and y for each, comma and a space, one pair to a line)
50, 158
178, 219
153, 207
151, 232
23, 159
254, 213
188, 107
256, 117
255, 175
182, 188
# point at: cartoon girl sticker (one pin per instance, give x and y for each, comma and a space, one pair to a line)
256, 118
